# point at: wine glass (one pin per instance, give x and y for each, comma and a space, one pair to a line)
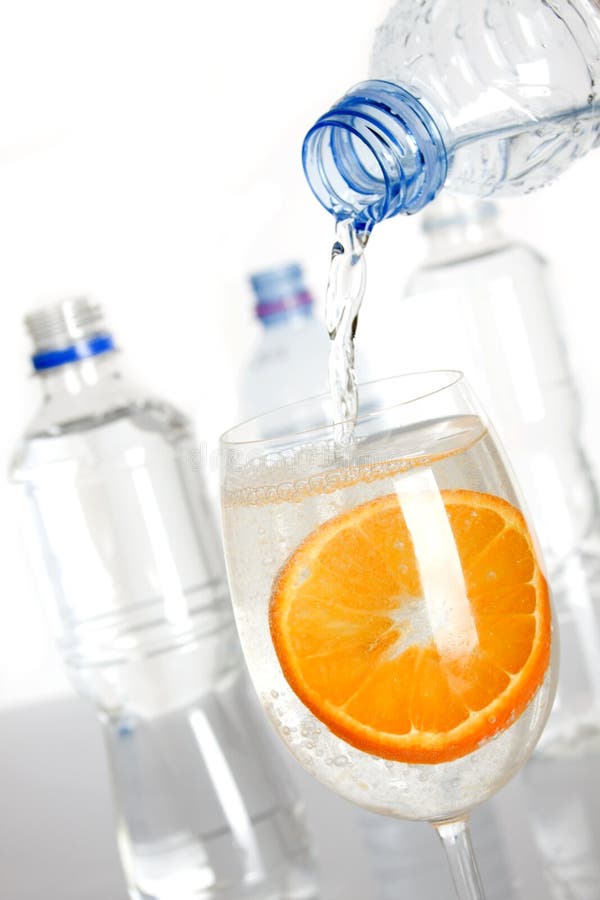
390, 600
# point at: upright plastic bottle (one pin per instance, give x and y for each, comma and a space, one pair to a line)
496, 97
288, 361
483, 303
125, 545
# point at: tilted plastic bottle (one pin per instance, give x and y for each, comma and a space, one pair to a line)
483, 303
496, 97
288, 360
122, 536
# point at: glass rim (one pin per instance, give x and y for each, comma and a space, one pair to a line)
227, 438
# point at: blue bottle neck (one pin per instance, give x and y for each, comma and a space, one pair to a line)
376, 153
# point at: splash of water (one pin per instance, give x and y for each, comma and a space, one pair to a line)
345, 292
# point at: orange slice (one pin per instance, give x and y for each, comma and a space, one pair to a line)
406, 652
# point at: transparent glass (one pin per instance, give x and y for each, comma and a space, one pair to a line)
484, 303
420, 445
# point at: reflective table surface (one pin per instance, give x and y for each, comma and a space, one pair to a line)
538, 839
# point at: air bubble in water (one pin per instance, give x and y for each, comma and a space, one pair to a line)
341, 761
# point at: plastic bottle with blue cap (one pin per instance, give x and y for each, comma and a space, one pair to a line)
491, 98
288, 360
123, 542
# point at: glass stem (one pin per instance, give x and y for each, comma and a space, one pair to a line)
456, 840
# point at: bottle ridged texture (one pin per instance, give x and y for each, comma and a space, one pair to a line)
512, 86
59, 325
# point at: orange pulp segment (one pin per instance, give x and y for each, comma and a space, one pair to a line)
367, 650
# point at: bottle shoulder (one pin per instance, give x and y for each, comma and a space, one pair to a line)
528, 106
428, 46
103, 426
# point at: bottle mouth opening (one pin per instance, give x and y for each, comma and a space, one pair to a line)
376, 153
342, 159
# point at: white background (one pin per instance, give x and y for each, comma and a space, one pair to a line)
150, 156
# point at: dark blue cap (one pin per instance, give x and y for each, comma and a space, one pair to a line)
81, 350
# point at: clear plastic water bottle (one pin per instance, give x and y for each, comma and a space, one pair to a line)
483, 303
288, 361
483, 98
125, 545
